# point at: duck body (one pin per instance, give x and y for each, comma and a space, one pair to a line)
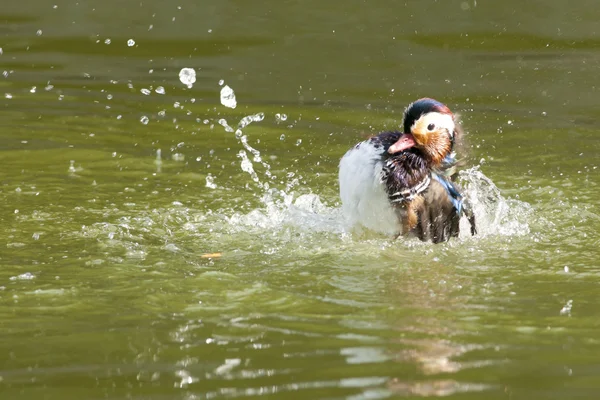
399, 183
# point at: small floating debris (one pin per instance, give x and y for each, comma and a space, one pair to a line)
211, 255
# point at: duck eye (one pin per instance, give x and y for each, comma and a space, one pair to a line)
430, 127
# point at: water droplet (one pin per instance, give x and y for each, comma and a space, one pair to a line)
145, 91
33, 89
221, 82
8, 95
298, 142
106, 41
131, 42
224, 124
282, 137
39, 32
178, 157
248, 119
144, 120
566, 310
228, 97
109, 96
210, 182
160, 90
280, 117
187, 76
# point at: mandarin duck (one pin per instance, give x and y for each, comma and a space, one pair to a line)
402, 183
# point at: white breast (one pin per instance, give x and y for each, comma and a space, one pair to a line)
364, 199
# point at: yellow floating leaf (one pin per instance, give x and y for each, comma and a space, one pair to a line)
211, 255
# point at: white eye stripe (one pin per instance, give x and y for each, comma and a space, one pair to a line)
439, 120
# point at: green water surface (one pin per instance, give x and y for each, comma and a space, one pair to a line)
150, 251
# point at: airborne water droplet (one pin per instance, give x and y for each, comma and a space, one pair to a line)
187, 76
248, 119
210, 182
228, 97
144, 120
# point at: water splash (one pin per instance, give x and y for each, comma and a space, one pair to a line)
210, 182
158, 160
248, 119
306, 213
495, 215
282, 207
286, 216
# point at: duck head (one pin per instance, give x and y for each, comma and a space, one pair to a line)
429, 126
